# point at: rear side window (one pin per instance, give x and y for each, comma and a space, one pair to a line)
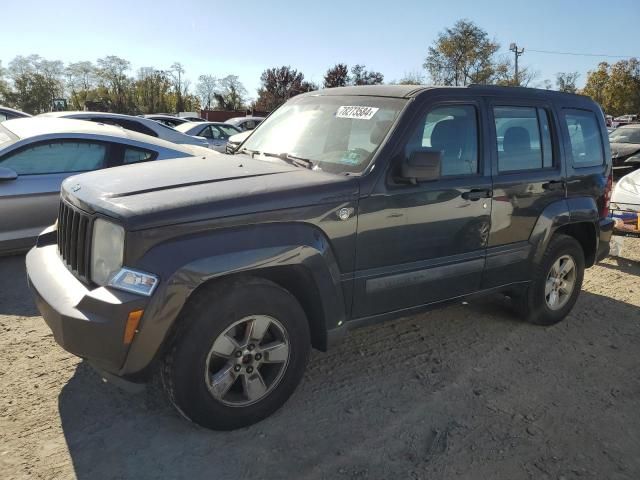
126, 124
585, 140
523, 138
57, 157
136, 155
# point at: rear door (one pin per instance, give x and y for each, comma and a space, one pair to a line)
29, 203
527, 177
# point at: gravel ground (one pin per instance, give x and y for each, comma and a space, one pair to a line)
466, 392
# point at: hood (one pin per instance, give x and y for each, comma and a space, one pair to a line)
624, 149
192, 189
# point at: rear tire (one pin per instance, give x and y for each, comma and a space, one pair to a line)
242, 353
555, 284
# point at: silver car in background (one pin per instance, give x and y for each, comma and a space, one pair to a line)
7, 113
245, 123
37, 154
216, 133
135, 124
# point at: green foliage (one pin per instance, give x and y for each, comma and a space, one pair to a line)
566, 82
462, 55
616, 87
278, 85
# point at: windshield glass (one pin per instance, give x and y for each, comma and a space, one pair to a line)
338, 134
625, 135
229, 129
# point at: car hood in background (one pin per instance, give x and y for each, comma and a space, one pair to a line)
624, 149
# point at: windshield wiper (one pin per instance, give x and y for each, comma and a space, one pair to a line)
291, 159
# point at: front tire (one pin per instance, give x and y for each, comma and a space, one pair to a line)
243, 352
555, 284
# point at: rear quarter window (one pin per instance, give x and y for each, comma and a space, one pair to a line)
584, 140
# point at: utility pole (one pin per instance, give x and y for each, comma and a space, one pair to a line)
514, 48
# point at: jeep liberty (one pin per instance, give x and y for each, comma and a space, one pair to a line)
345, 207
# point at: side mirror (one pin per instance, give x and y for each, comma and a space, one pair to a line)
422, 165
7, 174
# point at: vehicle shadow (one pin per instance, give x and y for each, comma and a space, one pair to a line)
621, 264
350, 399
13, 278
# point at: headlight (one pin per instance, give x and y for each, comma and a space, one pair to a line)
107, 247
134, 281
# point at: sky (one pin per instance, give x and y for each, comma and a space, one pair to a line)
244, 38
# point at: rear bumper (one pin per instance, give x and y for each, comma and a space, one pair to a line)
86, 322
605, 232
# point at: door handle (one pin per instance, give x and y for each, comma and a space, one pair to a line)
477, 194
554, 185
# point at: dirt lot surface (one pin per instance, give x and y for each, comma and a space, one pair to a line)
466, 392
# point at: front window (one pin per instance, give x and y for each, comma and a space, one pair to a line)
337, 134
625, 135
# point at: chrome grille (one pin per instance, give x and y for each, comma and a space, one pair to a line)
74, 239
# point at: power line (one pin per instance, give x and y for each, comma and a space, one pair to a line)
580, 54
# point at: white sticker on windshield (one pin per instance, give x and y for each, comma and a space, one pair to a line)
360, 113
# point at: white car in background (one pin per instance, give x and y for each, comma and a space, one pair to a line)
235, 140
625, 204
245, 123
135, 124
216, 133
38, 153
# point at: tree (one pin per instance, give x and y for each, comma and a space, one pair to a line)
180, 86
361, 76
411, 78
596, 84
81, 79
278, 85
112, 74
153, 91
231, 94
462, 55
35, 83
206, 89
623, 88
566, 81
337, 76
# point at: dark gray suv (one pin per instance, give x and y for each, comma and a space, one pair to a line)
346, 207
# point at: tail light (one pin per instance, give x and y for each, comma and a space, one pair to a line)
606, 199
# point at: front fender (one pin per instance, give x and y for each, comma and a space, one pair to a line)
189, 262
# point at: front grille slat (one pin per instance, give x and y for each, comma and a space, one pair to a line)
74, 230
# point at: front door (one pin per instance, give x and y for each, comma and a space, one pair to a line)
29, 203
425, 242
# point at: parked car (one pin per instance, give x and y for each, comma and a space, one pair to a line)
135, 124
234, 141
7, 113
168, 120
625, 148
624, 120
625, 204
216, 133
37, 154
245, 123
346, 207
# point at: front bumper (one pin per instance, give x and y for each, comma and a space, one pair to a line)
606, 230
88, 322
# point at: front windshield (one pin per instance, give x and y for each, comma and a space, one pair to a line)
338, 134
625, 135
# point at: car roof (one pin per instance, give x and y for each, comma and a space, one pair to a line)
49, 126
242, 119
412, 91
629, 126
184, 127
14, 111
